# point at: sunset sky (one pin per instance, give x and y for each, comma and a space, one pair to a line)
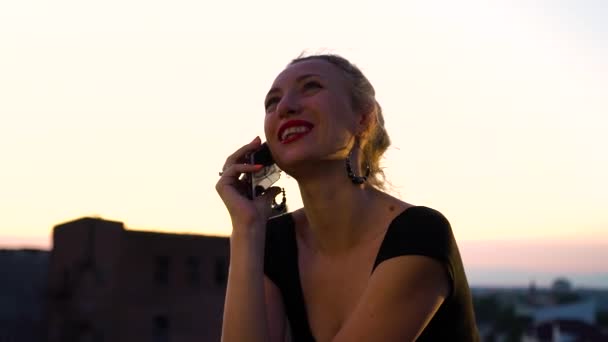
126, 110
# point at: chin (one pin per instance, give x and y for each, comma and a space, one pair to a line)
294, 158
289, 159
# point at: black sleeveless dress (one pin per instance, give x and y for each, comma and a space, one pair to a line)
416, 231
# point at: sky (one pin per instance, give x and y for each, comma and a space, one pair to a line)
497, 111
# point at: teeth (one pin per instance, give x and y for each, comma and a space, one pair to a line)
294, 130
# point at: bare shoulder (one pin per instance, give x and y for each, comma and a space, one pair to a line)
390, 206
394, 207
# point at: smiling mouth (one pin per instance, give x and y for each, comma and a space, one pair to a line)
294, 130
293, 133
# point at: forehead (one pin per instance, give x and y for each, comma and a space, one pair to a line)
319, 67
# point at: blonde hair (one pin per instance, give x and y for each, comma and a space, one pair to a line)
363, 100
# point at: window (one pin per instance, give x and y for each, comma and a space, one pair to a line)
193, 271
160, 328
161, 269
221, 271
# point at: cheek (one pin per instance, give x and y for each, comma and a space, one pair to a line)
343, 112
342, 124
269, 127
336, 134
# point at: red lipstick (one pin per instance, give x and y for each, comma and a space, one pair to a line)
296, 135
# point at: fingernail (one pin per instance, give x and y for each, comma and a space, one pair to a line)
256, 139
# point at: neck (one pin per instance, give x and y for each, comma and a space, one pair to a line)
336, 209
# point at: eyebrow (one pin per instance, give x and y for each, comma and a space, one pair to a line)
299, 79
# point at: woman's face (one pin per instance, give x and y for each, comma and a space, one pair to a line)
309, 115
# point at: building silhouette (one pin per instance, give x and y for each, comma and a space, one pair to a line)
107, 283
23, 282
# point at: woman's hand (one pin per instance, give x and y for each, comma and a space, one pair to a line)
245, 308
244, 213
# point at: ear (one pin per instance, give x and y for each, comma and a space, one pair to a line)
365, 122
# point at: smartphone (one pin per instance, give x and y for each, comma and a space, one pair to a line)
268, 175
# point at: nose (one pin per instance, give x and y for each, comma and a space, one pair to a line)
288, 106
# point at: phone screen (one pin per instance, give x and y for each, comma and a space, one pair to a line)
268, 175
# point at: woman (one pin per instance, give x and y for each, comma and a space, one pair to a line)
354, 264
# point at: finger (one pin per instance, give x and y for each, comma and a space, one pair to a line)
235, 170
239, 154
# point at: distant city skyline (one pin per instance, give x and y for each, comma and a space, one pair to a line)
127, 109
506, 263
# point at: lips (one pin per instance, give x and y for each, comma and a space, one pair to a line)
293, 130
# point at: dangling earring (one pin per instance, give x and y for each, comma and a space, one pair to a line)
349, 170
280, 207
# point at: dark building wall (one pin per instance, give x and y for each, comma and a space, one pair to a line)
112, 284
23, 279
82, 276
170, 280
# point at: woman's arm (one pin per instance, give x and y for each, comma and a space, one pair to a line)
275, 311
245, 317
402, 296
253, 308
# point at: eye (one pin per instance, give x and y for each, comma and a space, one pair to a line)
271, 102
311, 85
